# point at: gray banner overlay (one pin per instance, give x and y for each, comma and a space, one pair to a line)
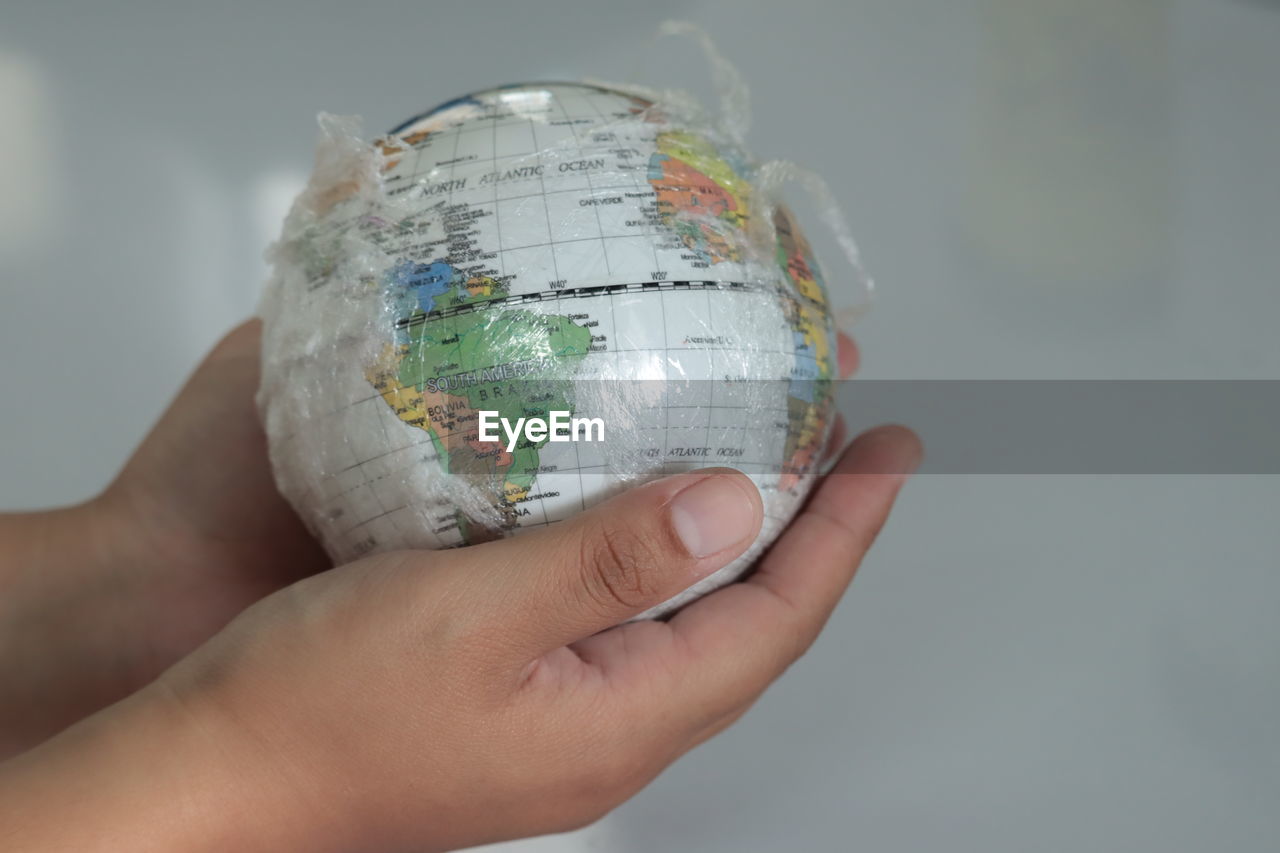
1079, 426
968, 426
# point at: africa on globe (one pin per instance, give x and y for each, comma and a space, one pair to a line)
538, 251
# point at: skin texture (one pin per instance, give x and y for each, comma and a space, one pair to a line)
407, 701
191, 532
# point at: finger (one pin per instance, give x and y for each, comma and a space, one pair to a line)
847, 356
740, 638
211, 435
209, 447
245, 340
551, 587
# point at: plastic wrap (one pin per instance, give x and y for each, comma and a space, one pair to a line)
606, 251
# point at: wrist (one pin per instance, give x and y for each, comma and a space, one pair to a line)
57, 615
153, 772
94, 569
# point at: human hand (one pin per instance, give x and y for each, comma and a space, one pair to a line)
96, 600
429, 701
190, 533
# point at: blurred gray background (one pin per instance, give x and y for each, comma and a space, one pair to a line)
1043, 189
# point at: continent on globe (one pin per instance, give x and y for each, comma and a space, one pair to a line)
700, 195
442, 370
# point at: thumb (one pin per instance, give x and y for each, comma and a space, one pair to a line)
554, 586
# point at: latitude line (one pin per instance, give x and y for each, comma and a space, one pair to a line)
586, 292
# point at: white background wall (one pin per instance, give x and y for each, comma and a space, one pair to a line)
1027, 662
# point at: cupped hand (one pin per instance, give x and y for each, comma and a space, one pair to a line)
409, 701
427, 701
189, 534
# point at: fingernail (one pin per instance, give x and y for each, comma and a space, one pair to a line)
711, 515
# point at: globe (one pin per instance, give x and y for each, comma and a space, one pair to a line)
521, 252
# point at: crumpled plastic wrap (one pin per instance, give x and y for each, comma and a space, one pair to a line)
605, 250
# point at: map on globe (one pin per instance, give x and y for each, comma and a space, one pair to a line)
547, 246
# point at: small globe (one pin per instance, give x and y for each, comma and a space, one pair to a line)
533, 249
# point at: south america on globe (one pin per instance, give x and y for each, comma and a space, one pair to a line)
527, 250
